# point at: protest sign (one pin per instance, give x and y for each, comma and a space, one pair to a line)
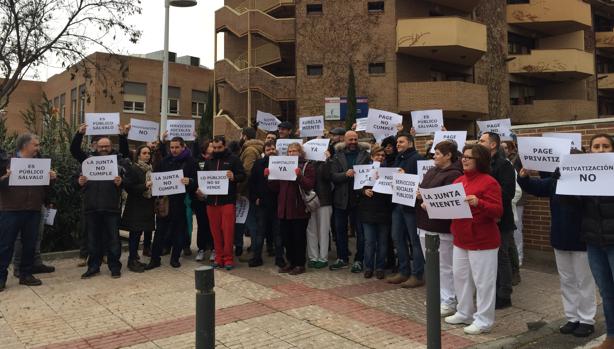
383, 183
404, 189
315, 149
446, 202
29, 172
213, 182
100, 168
502, 127
267, 121
541, 153
282, 145
383, 123
242, 209
361, 124
282, 168
576, 138
167, 183
181, 128
102, 124
457, 136
311, 126
49, 215
586, 175
427, 121
364, 175
423, 167
143, 131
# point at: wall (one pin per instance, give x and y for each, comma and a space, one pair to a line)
25, 92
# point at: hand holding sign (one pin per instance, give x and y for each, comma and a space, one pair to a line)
181, 128
586, 175
30, 172
143, 131
427, 121
213, 182
100, 168
382, 123
385, 176
502, 127
282, 168
167, 183
459, 137
316, 149
267, 121
541, 153
311, 126
102, 124
447, 202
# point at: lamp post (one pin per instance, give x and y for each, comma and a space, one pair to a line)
164, 104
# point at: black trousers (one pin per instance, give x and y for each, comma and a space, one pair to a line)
172, 228
504, 266
294, 233
204, 239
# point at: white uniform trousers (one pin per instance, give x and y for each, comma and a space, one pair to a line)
518, 234
318, 234
446, 276
476, 272
577, 286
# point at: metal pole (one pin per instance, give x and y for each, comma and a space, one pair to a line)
433, 312
249, 64
205, 308
164, 99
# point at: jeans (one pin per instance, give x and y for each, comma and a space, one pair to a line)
25, 223
601, 261
404, 236
173, 228
38, 260
204, 239
103, 232
376, 245
504, 266
341, 229
268, 226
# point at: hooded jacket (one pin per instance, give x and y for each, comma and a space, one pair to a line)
433, 178
344, 195
250, 152
226, 161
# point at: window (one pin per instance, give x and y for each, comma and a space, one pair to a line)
521, 94
82, 99
314, 69
519, 45
513, 2
199, 102
63, 105
605, 65
376, 6
174, 94
73, 107
135, 97
56, 102
602, 24
377, 68
314, 9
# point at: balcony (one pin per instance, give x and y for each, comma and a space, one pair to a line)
263, 55
553, 110
606, 81
448, 39
555, 65
551, 17
274, 29
605, 41
264, 5
279, 88
455, 98
463, 5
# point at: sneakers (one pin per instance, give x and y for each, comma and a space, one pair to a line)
474, 330
447, 310
380, 274
212, 256
135, 266
339, 264
457, 320
502, 303
311, 264
321, 264
297, 271
42, 269
397, 279
200, 256
89, 273
569, 327
413, 282
583, 330
229, 267
29, 280
356, 267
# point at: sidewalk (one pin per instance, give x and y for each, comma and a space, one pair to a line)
256, 308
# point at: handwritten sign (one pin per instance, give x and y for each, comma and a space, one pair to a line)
102, 124
576, 138
100, 168
167, 183
49, 216
459, 137
385, 175
143, 130
423, 167
315, 149
282, 168
404, 189
446, 202
29, 172
241, 210
502, 127
364, 175
382, 123
282, 144
312, 126
361, 124
541, 153
181, 128
267, 121
586, 175
427, 121
213, 182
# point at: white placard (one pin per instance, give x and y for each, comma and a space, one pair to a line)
167, 183
282, 168
267, 121
49, 216
315, 149
102, 124
364, 175
312, 126
29, 172
100, 168
541, 153
181, 128
241, 210
586, 175
460, 137
446, 202
502, 127
404, 188
385, 175
576, 138
213, 182
382, 123
361, 124
427, 121
423, 167
143, 130
282, 144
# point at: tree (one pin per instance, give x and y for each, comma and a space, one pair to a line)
350, 117
205, 129
33, 30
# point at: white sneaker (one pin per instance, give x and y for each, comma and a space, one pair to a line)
212, 257
457, 320
200, 256
447, 310
473, 329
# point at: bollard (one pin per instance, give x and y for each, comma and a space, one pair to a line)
433, 312
205, 308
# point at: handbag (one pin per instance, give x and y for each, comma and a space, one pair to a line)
161, 208
310, 198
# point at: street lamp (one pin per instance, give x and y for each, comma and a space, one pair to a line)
164, 106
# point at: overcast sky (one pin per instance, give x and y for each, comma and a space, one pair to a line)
191, 32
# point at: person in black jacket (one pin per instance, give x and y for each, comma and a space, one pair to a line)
503, 171
180, 158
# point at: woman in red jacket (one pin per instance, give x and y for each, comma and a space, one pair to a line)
476, 244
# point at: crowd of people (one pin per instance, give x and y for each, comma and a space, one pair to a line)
479, 256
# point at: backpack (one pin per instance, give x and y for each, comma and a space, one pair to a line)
310, 198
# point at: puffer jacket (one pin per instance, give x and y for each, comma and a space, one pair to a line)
344, 195
598, 220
